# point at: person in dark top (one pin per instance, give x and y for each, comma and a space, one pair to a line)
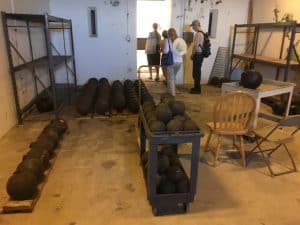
152, 50
197, 56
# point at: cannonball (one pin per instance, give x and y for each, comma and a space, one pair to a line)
163, 164
102, 106
174, 160
117, 85
174, 173
177, 107
167, 150
175, 125
44, 103
44, 143
165, 186
190, 125
103, 80
181, 118
148, 105
163, 113
251, 79
133, 106
157, 126
149, 114
93, 81
22, 186
60, 125
32, 165
151, 119
119, 102
51, 133
40, 154
165, 98
183, 185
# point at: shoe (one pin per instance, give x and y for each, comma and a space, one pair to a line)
195, 91
157, 79
150, 78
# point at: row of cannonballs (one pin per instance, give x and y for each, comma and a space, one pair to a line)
23, 183
170, 177
101, 97
168, 116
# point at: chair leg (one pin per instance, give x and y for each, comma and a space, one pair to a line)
250, 153
242, 151
291, 158
234, 141
265, 159
218, 149
207, 142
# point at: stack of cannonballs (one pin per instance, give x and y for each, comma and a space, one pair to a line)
101, 97
23, 183
168, 116
131, 96
86, 99
170, 177
142, 91
118, 100
102, 105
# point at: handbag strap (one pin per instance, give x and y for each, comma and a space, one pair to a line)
169, 44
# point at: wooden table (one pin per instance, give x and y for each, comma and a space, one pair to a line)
266, 89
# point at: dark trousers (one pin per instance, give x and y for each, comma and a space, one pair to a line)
197, 64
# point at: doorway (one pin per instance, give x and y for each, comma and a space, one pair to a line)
149, 12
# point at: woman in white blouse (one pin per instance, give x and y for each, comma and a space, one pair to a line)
178, 48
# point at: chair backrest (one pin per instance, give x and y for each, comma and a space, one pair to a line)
234, 111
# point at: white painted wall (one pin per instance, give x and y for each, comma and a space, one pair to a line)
263, 13
230, 12
109, 54
7, 105
31, 6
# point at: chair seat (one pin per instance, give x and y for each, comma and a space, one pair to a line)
231, 128
279, 136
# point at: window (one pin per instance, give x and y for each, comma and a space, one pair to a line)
92, 18
212, 24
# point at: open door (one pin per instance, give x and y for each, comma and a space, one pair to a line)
149, 12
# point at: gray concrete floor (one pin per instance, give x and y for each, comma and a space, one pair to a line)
97, 179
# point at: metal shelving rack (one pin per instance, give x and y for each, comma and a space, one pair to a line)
50, 60
251, 55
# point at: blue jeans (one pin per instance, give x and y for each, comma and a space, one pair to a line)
172, 72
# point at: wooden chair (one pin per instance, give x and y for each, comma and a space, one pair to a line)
279, 136
232, 115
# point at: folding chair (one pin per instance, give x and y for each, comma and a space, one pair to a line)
277, 135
